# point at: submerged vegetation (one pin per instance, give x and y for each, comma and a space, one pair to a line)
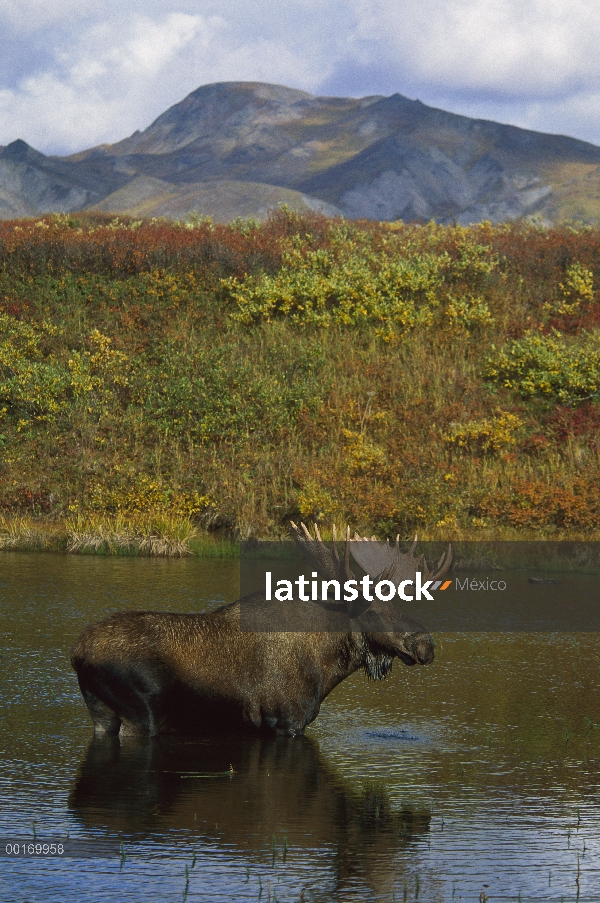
160, 380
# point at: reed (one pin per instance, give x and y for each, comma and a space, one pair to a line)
158, 534
121, 534
187, 884
26, 533
206, 546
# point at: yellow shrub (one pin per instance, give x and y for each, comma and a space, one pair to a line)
577, 287
140, 493
315, 503
362, 455
493, 435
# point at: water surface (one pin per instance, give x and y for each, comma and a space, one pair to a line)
476, 775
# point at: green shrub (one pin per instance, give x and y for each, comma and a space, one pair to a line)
32, 388
555, 367
325, 288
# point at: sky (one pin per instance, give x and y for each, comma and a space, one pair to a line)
77, 73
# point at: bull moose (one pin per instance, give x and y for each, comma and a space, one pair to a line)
148, 673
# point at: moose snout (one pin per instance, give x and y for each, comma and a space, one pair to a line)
421, 646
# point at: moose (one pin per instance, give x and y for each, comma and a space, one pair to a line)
149, 673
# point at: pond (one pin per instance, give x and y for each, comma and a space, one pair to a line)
476, 777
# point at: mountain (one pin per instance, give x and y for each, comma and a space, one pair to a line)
239, 148
31, 183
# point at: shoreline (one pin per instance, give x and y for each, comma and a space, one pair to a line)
168, 536
151, 535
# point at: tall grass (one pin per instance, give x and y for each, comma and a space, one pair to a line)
22, 532
162, 534
151, 534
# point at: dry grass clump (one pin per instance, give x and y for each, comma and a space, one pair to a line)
155, 534
23, 533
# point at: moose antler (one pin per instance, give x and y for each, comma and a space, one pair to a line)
380, 561
377, 558
316, 553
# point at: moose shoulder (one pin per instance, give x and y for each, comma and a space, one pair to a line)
154, 672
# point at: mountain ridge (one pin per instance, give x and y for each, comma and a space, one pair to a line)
238, 148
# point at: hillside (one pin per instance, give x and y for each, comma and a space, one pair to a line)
239, 148
441, 380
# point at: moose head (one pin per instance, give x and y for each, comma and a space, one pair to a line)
385, 634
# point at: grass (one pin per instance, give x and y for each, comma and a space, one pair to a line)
161, 534
164, 387
25, 533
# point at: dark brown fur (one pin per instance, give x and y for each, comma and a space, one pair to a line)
155, 672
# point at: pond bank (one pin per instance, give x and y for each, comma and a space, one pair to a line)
157, 534
153, 534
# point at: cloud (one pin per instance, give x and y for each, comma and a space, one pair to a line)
74, 73
102, 84
29, 16
146, 48
508, 47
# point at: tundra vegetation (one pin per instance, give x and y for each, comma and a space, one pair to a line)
161, 382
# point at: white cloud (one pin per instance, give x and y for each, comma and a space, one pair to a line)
513, 47
94, 70
31, 15
144, 49
154, 44
101, 88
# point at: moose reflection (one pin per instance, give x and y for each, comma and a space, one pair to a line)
241, 791
150, 673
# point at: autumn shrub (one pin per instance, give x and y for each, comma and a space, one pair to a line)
496, 434
548, 366
390, 286
535, 503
